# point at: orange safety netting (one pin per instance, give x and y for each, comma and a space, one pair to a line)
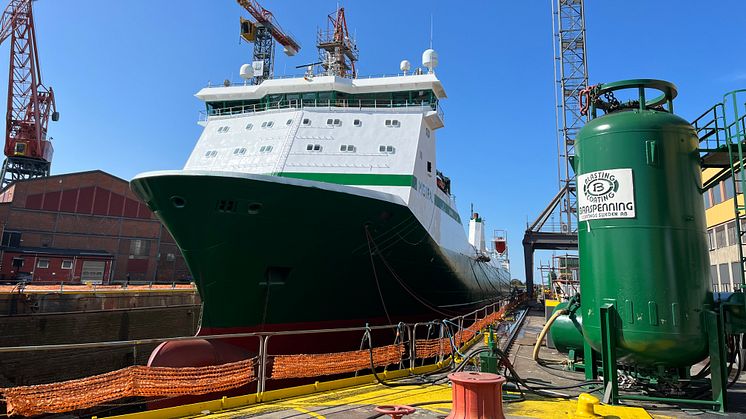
427, 348
135, 381
314, 365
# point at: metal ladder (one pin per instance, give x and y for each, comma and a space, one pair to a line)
722, 135
287, 145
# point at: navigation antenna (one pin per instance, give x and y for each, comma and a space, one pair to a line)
337, 49
571, 76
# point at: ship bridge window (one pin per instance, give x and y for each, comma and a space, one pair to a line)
265, 149
347, 148
306, 121
392, 123
249, 126
357, 123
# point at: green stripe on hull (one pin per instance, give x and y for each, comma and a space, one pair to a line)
353, 178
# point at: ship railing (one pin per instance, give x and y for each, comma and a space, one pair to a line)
384, 105
229, 83
406, 335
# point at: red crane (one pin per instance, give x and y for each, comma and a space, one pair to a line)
263, 34
30, 104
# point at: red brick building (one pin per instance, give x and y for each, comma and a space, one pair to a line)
83, 227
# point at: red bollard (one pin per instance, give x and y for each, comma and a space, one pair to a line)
477, 395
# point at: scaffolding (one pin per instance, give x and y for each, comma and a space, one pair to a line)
563, 276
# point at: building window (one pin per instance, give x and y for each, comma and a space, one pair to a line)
728, 188
724, 271
706, 197
357, 123
170, 257
139, 249
735, 271
306, 121
711, 239
731, 233
67, 264
249, 126
720, 237
42, 263
717, 197
11, 239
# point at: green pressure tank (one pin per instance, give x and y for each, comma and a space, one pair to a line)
567, 329
641, 231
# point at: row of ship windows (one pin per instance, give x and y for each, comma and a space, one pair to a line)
346, 148
391, 123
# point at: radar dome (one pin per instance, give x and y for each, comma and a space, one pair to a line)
430, 59
405, 66
246, 71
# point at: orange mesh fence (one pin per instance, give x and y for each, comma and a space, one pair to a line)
427, 348
135, 381
315, 365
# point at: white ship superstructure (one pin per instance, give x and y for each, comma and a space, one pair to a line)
372, 133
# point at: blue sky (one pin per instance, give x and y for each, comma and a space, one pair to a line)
124, 74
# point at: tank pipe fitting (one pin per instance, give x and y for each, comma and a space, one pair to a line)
544, 331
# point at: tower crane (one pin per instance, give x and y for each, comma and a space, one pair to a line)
263, 33
28, 152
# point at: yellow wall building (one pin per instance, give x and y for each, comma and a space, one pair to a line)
725, 266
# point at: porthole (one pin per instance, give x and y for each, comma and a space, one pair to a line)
343, 147
254, 208
249, 127
329, 121
178, 202
270, 124
306, 121
317, 147
309, 147
357, 123
289, 121
382, 148
337, 122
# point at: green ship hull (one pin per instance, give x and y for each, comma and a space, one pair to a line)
274, 253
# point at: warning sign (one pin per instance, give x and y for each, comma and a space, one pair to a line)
606, 194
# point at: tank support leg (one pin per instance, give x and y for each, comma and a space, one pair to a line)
590, 361
608, 355
718, 369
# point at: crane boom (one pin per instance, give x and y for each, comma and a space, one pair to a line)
266, 18
28, 151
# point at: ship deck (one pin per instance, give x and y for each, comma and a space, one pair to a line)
357, 398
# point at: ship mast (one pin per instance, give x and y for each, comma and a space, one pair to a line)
337, 49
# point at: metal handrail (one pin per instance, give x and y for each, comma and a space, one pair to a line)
237, 111
300, 76
409, 330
